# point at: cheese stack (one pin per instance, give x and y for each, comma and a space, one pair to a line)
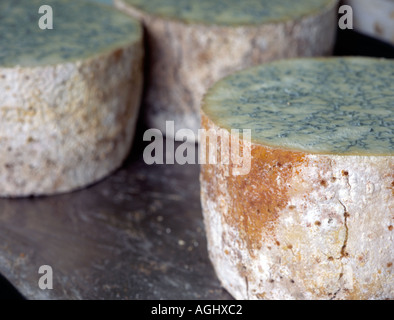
313, 217
69, 95
194, 43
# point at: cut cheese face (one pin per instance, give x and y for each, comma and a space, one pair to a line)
80, 30
331, 106
231, 12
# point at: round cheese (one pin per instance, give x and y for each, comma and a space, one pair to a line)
313, 217
70, 94
194, 43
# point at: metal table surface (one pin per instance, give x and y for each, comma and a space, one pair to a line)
137, 234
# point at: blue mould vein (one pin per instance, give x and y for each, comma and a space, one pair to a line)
81, 30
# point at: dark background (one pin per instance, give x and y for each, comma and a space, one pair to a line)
349, 43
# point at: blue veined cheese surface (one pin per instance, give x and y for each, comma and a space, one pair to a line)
231, 12
103, 1
324, 106
81, 29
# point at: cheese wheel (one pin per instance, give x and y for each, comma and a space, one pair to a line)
193, 43
313, 216
69, 95
373, 18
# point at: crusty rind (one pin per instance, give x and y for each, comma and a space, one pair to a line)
185, 59
65, 126
301, 226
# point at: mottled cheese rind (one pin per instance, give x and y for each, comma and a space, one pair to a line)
81, 29
332, 105
231, 12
